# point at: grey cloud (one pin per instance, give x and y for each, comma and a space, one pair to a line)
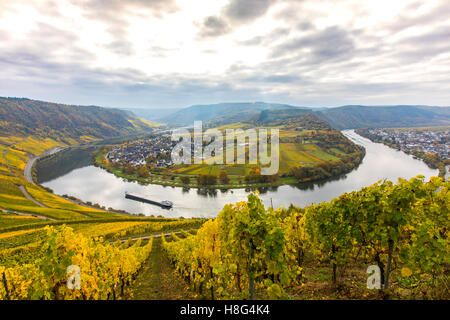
214, 26
160, 52
285, 78
245, 10
255, 41
421, 47
305, 26
275, 35
47, 33
234, 14
307, 66
411, 18
41, 48
121, 47
435, 37
113, 13
329, 44
115, 9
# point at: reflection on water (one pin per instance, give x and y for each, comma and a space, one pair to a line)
93, 184
63, 162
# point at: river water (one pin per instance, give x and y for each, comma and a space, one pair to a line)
90, 183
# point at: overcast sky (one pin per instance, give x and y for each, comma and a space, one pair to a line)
175, 53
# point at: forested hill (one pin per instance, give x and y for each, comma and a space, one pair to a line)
354, 117
222, 113
345, 117
279, 116
23, 117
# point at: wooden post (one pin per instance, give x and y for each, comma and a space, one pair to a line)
251, 288
388, 267
5, 283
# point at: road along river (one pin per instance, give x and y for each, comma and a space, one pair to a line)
90, 183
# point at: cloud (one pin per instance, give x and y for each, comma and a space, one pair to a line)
172, 54
213, 26
329, 44
275, 78
412, 17
234, 14
113, 11
121, 47
269, 38
247, 10
116, 14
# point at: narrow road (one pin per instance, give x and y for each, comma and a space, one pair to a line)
27, 171
28, 176
26, 214
29, 197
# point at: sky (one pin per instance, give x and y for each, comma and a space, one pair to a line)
176, 53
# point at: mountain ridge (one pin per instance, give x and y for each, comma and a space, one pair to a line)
230, 111
343, 117
23, 117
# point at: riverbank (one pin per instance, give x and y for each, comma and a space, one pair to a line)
30, 176
97, 185
440, 164
176, 180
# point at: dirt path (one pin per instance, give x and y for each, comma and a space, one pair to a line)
158, 280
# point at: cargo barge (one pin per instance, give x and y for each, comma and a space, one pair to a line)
164, 204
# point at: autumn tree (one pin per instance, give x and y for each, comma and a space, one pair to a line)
223, 177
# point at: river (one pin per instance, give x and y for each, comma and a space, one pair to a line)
90, 183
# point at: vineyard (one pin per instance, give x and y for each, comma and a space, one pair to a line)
44, 238
107, 269
250, 252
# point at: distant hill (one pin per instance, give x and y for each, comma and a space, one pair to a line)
279, 116
152, 114
222, 113
345, 117
354, 117
23, 117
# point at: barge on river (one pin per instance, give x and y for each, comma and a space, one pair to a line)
164, 204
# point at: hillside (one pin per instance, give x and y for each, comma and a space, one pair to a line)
25, 117
354, 117
222, 113
278, 117
152, 114
345, 117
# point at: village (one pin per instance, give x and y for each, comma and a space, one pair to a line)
427, 141
154, 151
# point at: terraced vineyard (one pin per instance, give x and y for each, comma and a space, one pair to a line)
31, 215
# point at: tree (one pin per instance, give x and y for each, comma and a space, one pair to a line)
185, 180
128, 169
206, 179
223, 177
142, 172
